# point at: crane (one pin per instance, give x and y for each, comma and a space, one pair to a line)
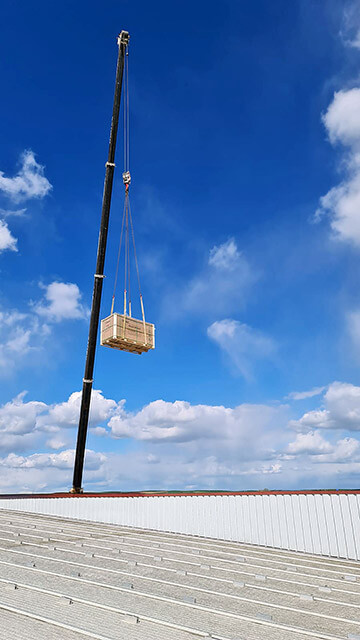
123, 42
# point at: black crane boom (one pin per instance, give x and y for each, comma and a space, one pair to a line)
123, 41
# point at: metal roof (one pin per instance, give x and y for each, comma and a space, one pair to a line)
61, 578
197, 492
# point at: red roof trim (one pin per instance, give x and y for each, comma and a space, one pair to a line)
145, 494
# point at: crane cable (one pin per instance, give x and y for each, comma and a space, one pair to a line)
127, 222
118, 262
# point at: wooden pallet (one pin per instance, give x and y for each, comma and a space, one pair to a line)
127, 334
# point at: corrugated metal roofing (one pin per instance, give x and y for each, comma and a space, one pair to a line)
61, 578
323, 522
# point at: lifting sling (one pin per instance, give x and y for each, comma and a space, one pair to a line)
120, 332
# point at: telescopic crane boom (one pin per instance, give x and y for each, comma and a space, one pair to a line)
123, 41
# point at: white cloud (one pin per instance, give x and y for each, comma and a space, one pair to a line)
8, 318
19, 342
345, 450
302, 395
24, 334
342, 119
18, 423
355, 42
311, 443
19, 417
226, 256
180, 444
342, 203
317, 419
341, 410
7, 240
272, 468
20, 336
30, 181
56, 443
353, 329
24, 425
47, 471
177, 445
62, 460
242, 344
322, 451
198, 432
223, 283
343, 402
172, 421
16, 213
66, 414
62, 302
350, 31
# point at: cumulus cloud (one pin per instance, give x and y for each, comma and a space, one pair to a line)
322, 451
342, 203
243, 345
223, 283
344, 451
342, 120
317, 419
204, 431
66, 414
29, 182
46, 471
310, 443
184, 445
62, 460
18, 422
341, 410
25, 424
18, 416
180, 445
177, 421
7, 240
62, 301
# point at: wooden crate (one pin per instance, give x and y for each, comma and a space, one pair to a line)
127, 334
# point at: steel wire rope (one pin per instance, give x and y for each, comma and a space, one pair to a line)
127, 110
126, 253
126, 166
128, 256
126, 104
138, 275
135, 254
127, 222
124, 123
118, 260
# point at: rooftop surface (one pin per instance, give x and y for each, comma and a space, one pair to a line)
68, 579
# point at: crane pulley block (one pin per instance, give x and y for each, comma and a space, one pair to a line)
126, 177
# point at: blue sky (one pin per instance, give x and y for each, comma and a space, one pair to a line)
245, 163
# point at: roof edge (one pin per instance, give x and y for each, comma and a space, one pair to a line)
173, 494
